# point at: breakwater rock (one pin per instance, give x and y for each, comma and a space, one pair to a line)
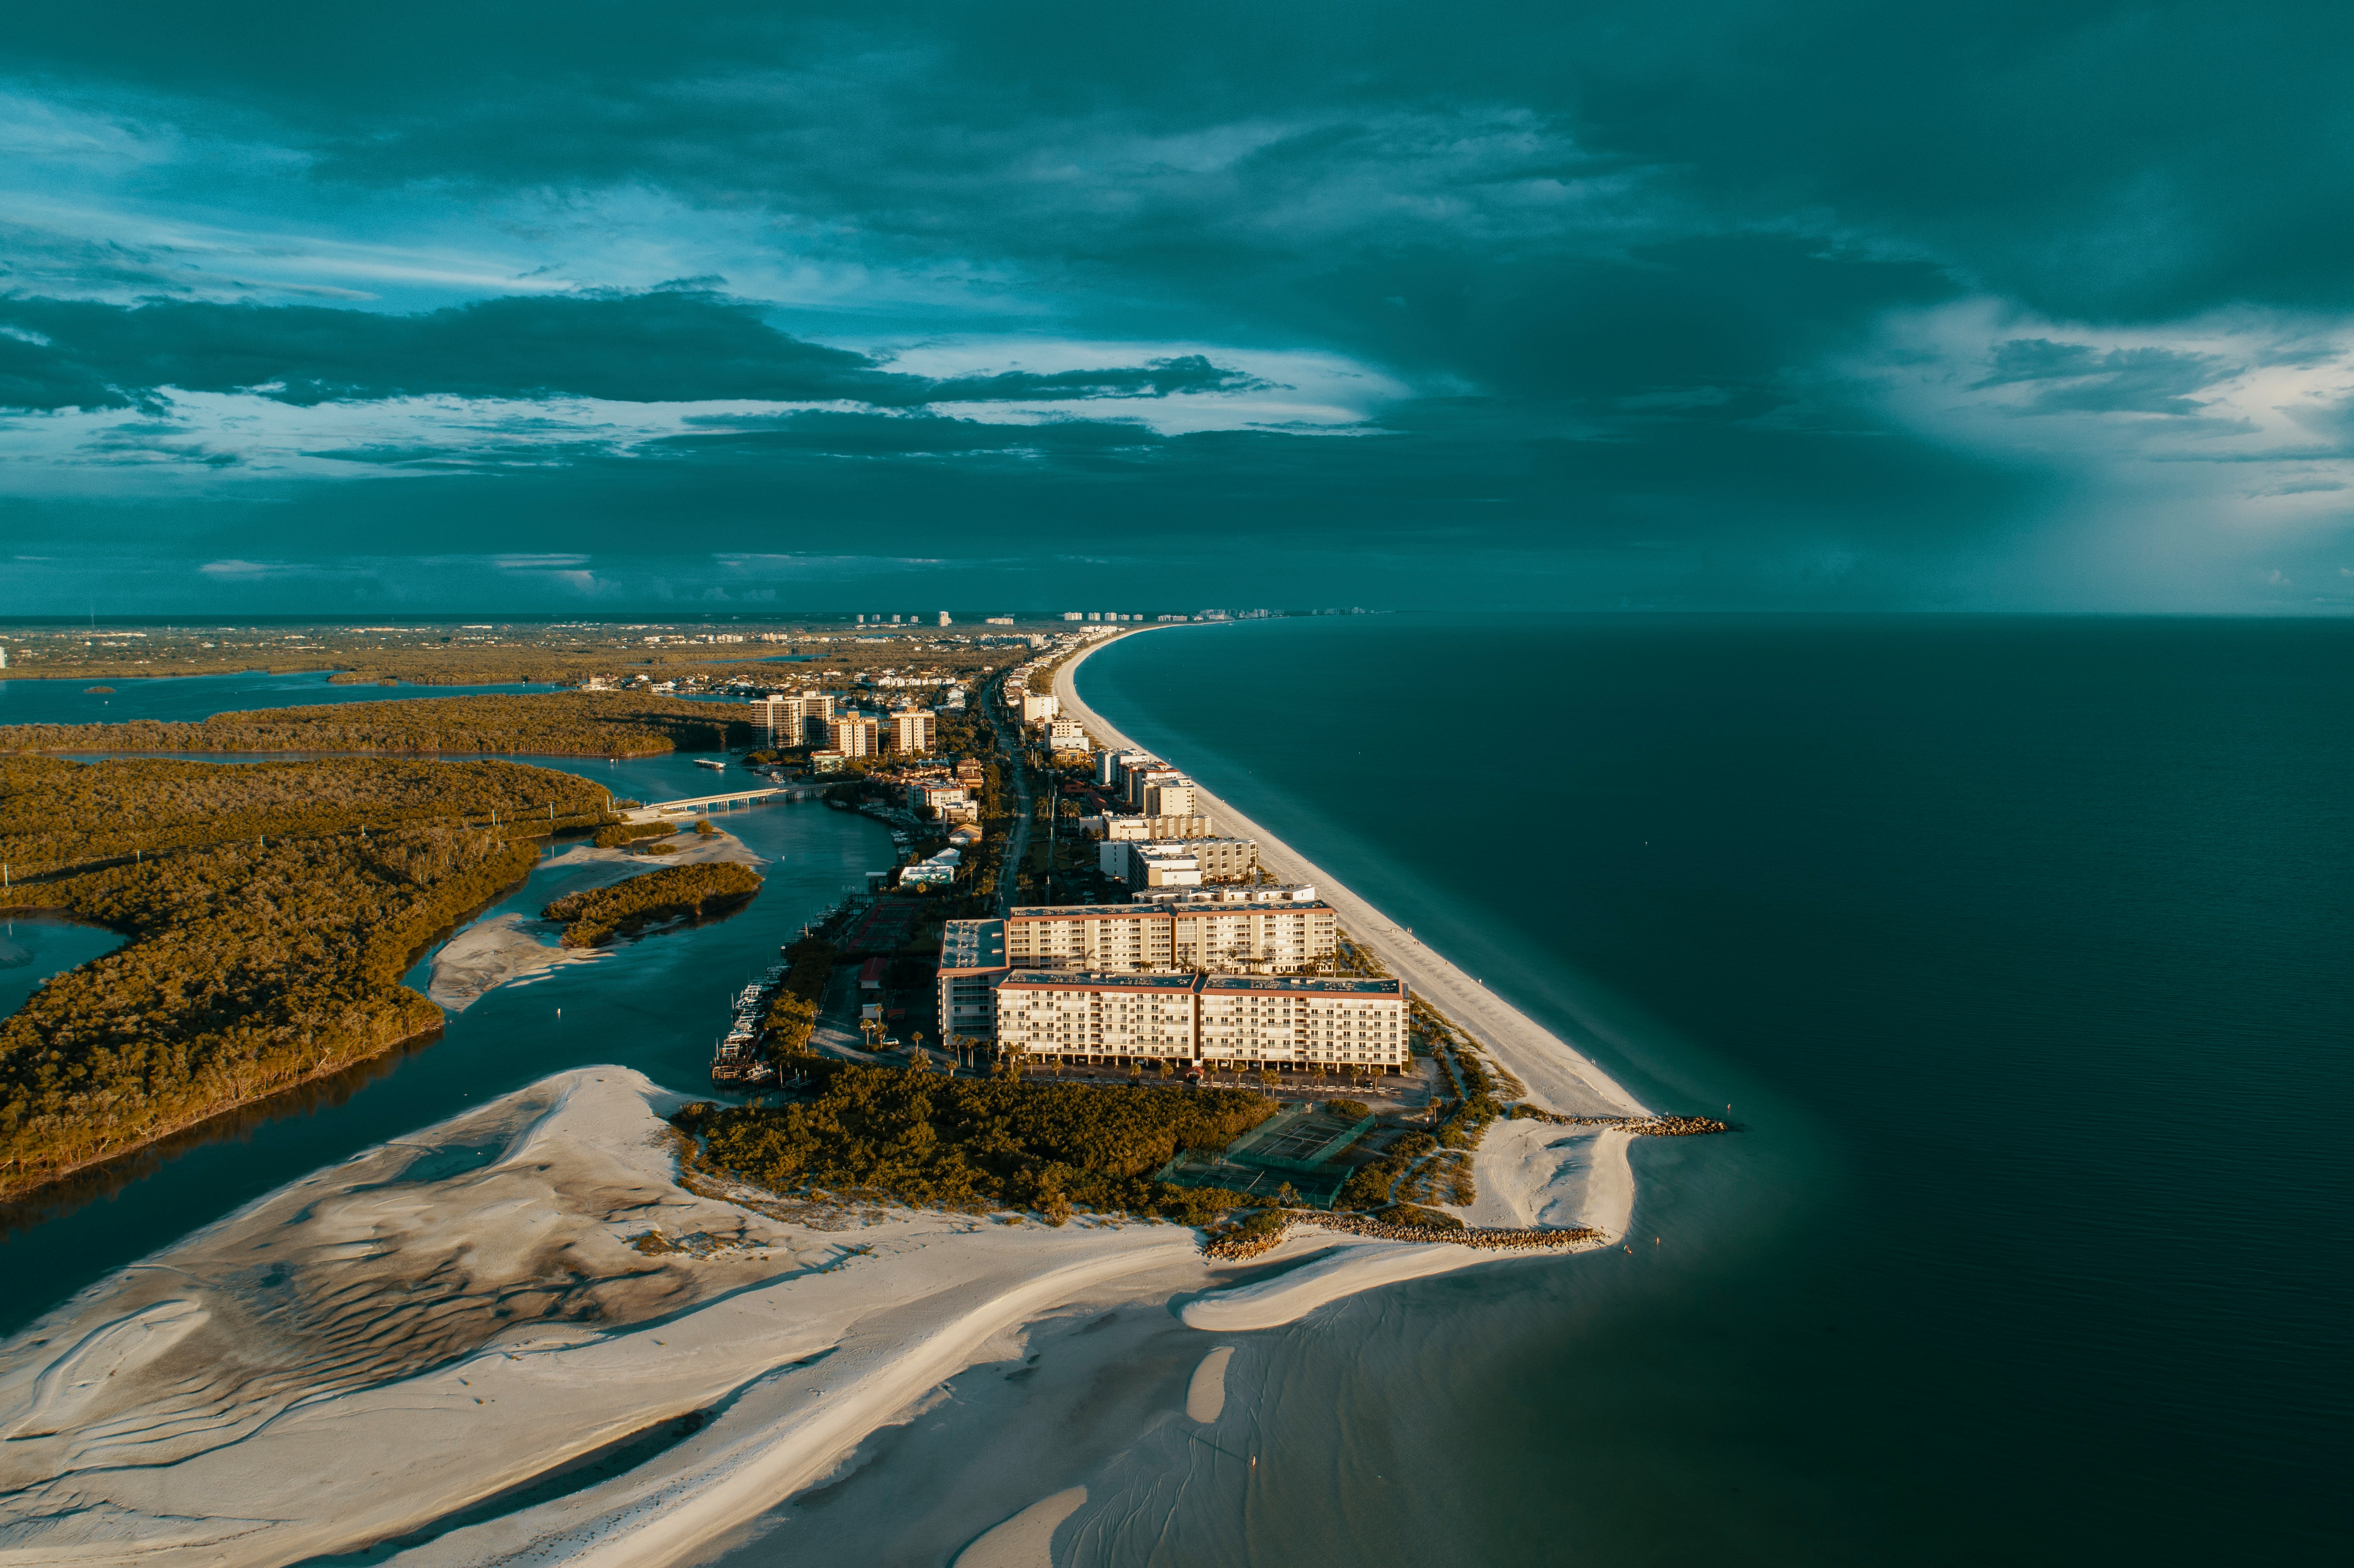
1640, 1125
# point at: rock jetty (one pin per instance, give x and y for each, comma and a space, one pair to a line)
1232, 1248
1640, 1125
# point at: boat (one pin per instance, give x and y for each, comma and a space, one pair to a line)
714, 766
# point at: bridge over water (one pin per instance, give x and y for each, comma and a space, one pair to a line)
727, 800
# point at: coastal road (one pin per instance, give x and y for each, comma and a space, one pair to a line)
1558, 1077
1017, 844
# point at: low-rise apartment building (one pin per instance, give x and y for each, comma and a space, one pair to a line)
1184, 862
1150, 829
1230, 893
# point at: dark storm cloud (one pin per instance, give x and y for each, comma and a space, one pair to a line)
2120, 381
1633, 264
2095, 158
669, 345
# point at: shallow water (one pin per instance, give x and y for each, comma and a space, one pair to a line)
31, 951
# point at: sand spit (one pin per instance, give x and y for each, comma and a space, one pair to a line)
1558, 1078
1351, 1266
407, 1350
495, 952
440, 1321
694, 849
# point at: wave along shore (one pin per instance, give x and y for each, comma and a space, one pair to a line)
1558, 1078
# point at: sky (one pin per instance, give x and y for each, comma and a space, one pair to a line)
595, 306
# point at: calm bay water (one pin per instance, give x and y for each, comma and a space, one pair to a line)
187, 698
2019, 947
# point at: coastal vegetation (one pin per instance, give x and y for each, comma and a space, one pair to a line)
558, 724
266, 937
602, 915
981, 1144
621, 835
792, 1014
60, 816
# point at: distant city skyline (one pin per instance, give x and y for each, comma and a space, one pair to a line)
551, 309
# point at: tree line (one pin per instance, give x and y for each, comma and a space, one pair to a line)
557, 723
981, 1144
57, 815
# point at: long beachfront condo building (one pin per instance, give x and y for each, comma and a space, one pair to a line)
1223, 1020
1285, 934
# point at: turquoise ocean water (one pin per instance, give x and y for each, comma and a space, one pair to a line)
2018, 947
2021, 948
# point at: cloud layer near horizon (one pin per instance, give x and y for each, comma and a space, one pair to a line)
1736, 305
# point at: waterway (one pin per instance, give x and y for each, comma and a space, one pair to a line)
656, 1004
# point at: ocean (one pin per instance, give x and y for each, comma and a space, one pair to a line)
2018, 950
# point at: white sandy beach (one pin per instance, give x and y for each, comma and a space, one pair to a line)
444, 1318
1558, 1078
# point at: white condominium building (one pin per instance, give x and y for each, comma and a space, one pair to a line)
1037, 707
1137, 779
1097, 1017
1228, 1021
1283, 935
1121, 936
912, 730
1169, 798
1276, 1019
1087, 936
853, 735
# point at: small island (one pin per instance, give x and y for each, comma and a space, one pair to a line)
602, 915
